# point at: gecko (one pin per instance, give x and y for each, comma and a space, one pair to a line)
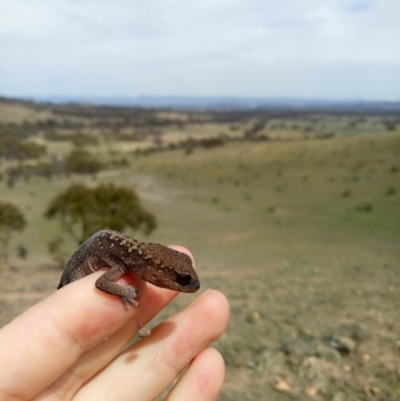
119, 254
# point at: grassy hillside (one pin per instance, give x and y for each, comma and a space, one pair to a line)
301, 232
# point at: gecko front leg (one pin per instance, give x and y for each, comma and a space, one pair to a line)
105, 283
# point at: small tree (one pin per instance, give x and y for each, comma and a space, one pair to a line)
82, 162
11, 219
83, 211
56, 251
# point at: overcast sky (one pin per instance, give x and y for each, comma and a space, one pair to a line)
329, 49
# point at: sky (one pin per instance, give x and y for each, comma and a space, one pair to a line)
313, 49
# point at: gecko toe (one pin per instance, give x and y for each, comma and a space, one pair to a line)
128, 302
130, 296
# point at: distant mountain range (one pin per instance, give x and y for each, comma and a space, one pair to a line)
218, 102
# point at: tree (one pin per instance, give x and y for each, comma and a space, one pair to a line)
12, 147
82, 162
56, 251
11, 219
80, 140
83, 211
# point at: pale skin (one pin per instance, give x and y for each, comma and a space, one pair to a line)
69, 346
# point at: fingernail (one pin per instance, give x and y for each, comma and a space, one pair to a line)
201, 296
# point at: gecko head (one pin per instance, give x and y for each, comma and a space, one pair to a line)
170, 269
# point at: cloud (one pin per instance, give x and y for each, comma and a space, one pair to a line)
221, 46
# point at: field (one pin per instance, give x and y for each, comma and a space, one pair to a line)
294, 216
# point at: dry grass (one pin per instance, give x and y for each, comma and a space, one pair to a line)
301, 235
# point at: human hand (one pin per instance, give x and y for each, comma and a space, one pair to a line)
70, 346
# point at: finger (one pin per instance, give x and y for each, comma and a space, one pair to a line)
203, 380
93, 360
54, 333
57, 331
144, 370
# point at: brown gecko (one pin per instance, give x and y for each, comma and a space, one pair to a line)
120, 254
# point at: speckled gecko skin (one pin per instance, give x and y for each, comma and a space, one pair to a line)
120, 254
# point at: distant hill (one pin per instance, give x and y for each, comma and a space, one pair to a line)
218, 102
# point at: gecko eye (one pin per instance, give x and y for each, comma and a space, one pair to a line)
183, 279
